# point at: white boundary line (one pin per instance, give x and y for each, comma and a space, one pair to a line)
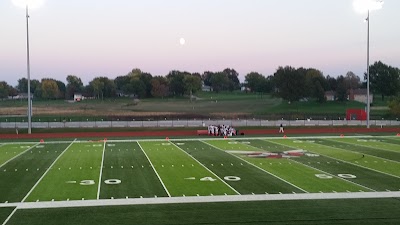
233, 189
165, 188
322, 171
203, 199
9, 217
349, 162
44, 174
371, 147
203, 139
101, 171
18, 155
258, 168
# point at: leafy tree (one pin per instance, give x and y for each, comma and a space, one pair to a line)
207, 77
62, 88
315, 83
254, 81
219, 81
102, 86
341, 89
23, 85
352, 81
290, 83
384, 79
4, 89
49, 89
233, 77
121, 81
74, 85
176, 82
331, 83
192, 84
159, 86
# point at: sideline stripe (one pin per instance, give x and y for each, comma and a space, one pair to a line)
18, 155
370, 147
165, 188
101, 170
333, 175
233, 189
348, 162
258, 168
203, 139
9, 217
48, 169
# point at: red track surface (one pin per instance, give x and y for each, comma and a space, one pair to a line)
174, 133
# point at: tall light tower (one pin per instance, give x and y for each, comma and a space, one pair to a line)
366, 6
28, 4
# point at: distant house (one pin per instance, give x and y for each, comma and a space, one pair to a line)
206, 88
78, 97
330, 95
360, 95
244, 88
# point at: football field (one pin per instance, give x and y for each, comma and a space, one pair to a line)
84, 172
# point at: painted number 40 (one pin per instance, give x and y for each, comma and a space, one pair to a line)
227, 178
92, 182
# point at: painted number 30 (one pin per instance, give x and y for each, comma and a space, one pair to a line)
91, 182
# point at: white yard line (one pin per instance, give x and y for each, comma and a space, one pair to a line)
371, 147
259, 168
101, 171
165, 188
202, 199
354, 164
233, 189
332, 175
18, 155
48, 169
9, 217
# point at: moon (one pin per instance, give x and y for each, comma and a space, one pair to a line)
182, 41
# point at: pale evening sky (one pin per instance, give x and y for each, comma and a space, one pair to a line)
91, 38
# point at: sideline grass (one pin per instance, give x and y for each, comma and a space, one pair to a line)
306, 212
74, 176
181, 174
19, 175
242, 176
123, 161
8, 151
4, 213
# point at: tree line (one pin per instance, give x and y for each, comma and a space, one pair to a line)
289, 83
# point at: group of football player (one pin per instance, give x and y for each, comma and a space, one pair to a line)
221, 130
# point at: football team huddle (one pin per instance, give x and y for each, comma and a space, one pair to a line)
221, 130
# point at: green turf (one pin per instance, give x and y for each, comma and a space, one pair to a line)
305, 212
231, 168
181, 174
4, 213
371, 143
80, 163
355, 158
369, 149
368, 178
19, 175
232, 145
8, 151
123, 161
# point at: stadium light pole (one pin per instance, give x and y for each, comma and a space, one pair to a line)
367, 6
25, 4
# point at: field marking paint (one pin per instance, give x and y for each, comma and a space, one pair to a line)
258, 168
48, 169
351, 163
152, 166
203, 139
233, 189
18, 155
364, 146
101, 170
322, 171
9, 217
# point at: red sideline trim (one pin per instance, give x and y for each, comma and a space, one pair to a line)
175, 133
